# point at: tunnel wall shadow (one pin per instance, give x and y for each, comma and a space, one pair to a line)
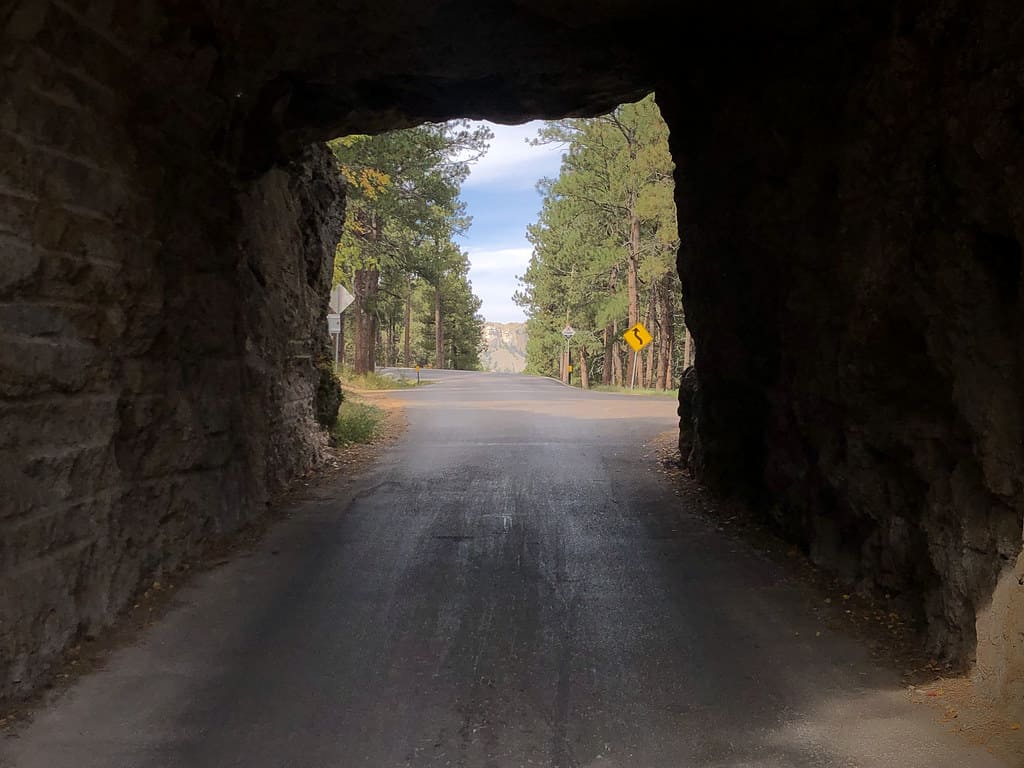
851, 268
160, 317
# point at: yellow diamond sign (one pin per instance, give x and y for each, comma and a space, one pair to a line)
638, 337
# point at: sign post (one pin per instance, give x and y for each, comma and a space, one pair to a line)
637, 337
334, 328
340, 299
568, 332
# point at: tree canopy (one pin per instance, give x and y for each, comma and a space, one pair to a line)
398, 250
604, 249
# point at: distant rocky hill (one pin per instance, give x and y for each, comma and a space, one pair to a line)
504, 347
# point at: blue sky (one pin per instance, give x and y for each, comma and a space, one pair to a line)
501, 196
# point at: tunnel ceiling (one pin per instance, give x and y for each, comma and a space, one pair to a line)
306, 71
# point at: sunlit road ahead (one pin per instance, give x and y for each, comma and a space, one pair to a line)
511, 585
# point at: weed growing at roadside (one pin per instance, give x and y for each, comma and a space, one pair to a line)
358, 422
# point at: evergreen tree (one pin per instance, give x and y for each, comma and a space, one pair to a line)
604, 250
403, 210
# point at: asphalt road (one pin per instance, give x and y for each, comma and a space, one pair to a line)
511, 585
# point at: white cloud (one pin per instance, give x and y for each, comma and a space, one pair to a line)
493, 272
501, 198
504, 260
511, 161
506, 311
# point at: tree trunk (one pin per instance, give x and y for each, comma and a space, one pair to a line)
648, 372
664, 348
365, 289
438, 329
667, 345
609, 341
584, 372
609, 334
380, 343
391, 354
670, 379
632, 263
617, 365
687, 348
406, 346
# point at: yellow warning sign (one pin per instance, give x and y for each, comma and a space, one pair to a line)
638, 337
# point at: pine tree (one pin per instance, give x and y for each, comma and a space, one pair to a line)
403, 210
604, 249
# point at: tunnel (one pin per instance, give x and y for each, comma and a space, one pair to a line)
851, 214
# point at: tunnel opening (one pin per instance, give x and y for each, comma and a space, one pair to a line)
169, 216
566, 259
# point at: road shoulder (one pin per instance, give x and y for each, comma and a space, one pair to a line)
875, 619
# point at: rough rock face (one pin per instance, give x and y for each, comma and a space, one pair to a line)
161, 325
852, 265
504, 347
851, 212
292, 220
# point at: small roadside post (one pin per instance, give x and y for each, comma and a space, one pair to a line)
637, 337
339, 301
417, 374
334, 328
568, 332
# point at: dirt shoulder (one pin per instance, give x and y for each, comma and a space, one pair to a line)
876, 619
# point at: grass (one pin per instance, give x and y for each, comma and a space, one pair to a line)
358, 422
637, 391
374, 380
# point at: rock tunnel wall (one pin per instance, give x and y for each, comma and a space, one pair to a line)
160, 323
849, 193
852, 267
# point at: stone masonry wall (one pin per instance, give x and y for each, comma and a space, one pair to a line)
159, 321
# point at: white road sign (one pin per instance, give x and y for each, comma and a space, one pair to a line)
568, 332
340, 298
334, 323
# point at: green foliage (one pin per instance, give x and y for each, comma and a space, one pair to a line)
461, 322
403, 213
328, 396
609, 219
635, 391
373, 380
357, 422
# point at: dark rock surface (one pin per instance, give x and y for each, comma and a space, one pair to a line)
852, 216
161, 322
852, 219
